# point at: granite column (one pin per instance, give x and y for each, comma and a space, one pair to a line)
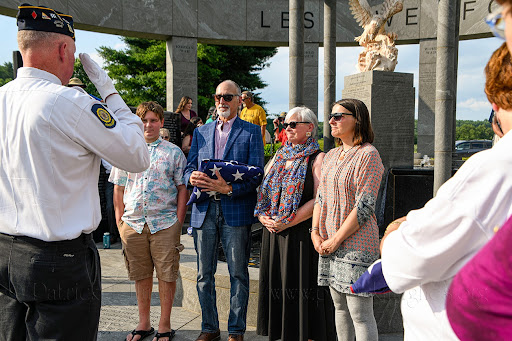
296, 43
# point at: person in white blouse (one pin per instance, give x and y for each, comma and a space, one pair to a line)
51, 142
422, 252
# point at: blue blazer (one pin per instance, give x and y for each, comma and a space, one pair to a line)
244, 145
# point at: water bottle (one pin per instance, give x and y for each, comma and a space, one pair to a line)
106, 240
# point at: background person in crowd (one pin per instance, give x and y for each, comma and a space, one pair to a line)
150, 223
478, 303
253, 113
76, 82
185, 109
186, 140
228, 215
291, 306
421, 255
165, 134
344, 230
280, 134
109, 203
212, 115
51, 144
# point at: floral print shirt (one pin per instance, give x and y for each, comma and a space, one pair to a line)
151, 197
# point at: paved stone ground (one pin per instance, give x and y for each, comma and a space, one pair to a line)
119, 306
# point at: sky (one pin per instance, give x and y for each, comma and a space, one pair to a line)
472, 103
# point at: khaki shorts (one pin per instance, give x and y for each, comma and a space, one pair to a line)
145, 252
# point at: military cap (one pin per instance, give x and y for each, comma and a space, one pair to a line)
42, 18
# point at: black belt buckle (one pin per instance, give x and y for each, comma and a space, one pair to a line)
216, 196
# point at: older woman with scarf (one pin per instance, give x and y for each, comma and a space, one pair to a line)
291, 307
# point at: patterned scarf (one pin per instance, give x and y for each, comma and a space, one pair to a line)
281, 191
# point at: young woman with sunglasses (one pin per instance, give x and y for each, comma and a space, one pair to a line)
344, 230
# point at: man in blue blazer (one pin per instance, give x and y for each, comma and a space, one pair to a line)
229, 214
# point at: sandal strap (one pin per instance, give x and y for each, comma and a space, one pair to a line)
143, 333
170, 334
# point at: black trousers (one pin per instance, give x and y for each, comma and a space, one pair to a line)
49, 290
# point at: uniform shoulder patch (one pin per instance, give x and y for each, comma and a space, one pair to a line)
103, 115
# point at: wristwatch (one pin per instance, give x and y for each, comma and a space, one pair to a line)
230, 193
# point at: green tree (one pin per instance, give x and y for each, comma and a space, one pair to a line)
473, 130
139, 70
6, 73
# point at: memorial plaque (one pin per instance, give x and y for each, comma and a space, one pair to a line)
172, 121
427, 97
181, 62
311, 76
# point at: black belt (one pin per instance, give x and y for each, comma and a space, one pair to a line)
82, 239
215, 197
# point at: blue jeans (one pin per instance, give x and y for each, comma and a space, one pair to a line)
235, 242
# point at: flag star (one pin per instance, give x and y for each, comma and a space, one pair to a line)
211, 193
214, 169
228, 163
251, 167
238, 175
197, 192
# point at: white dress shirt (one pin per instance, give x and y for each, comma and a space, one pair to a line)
52, 139
421, 258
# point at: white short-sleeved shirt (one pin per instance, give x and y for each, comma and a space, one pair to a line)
52, 139
421, 258
151, 197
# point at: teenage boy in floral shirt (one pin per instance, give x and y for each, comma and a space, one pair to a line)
150, 210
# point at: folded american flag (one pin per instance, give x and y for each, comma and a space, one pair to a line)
231, 171
371, 281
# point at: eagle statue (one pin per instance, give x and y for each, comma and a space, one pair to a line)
380, 52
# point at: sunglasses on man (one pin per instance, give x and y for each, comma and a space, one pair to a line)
339, 115
292, 124
227, 98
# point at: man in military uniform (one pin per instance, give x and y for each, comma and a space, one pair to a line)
51, 142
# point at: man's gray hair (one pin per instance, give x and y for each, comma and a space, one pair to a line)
305, 114
238, 91
33, 39
248, 94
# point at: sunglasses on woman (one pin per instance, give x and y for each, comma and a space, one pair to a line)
227, 98
339, 115
292, 124
165, 137
496, 23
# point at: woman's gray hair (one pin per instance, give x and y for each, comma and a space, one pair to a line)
305, 114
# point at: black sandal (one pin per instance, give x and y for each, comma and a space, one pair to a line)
143, 333
170, 335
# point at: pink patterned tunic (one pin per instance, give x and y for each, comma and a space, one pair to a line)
349, 180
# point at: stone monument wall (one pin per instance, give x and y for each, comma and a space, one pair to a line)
262, 22
389, 97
